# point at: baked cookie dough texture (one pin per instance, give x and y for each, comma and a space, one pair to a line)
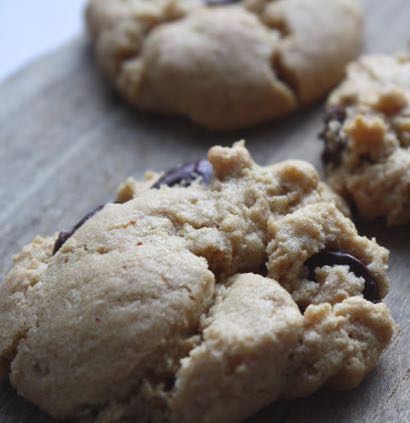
224, 64
367, 137
194, 303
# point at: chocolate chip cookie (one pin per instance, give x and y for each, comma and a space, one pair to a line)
202, 294
367, 137
224, 64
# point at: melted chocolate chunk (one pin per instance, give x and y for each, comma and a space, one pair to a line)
332, 258
185, 174
64, 236
335, 141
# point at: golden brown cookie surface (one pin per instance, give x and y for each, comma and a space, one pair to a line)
224, 65
202, 302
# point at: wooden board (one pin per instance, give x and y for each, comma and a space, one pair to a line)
66, 142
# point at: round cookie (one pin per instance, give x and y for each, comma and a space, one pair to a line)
367, 138
201, 301
224, 64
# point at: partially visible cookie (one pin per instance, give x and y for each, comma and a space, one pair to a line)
206, 293
224, 64
367, 137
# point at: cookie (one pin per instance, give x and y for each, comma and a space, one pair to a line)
224, 64
201, 301
367, 138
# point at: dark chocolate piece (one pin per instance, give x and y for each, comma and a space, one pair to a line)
185, 174
64, 236
331, 258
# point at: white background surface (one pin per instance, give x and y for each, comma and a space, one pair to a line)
29, 28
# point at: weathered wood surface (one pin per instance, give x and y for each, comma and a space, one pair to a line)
66, 141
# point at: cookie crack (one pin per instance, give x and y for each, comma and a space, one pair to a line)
273, 23
285, 75
269, 21
169, 14
281, 27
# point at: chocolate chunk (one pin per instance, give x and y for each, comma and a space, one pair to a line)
335, 141
185, 174
332, 258
64, 236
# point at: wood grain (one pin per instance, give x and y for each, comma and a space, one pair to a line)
67, 141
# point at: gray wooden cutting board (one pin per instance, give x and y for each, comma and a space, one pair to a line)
67, 141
